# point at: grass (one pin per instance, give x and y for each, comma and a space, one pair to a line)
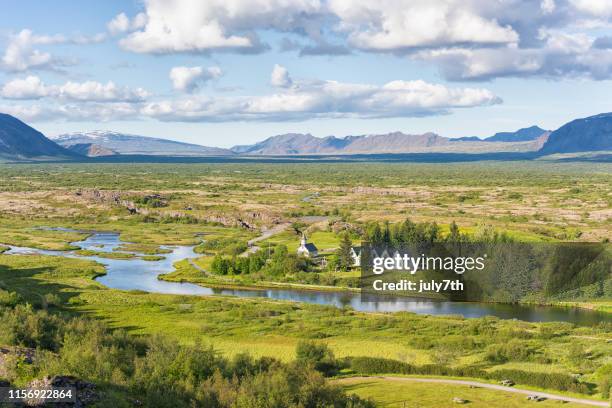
147, 249
413, 395
38, 238
275, 327
599, 305
102, 254
185, 272
153, 258
532, 201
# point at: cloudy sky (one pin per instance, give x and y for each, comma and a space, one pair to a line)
225, 72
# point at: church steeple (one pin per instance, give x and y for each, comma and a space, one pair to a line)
303, 241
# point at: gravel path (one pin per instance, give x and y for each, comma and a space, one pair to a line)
484, 385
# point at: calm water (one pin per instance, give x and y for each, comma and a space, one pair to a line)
131, 274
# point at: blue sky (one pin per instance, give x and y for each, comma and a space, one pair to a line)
234, 71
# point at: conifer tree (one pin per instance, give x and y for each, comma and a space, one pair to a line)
345, 259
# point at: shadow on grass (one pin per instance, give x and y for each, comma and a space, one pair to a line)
28, 283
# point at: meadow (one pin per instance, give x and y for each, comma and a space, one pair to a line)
218, 208
395, 394
274, 328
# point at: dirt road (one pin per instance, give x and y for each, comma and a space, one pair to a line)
482, 385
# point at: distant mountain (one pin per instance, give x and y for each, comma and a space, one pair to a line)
521, 135
91, 150
297, 143
395, 142
581, 135
105, 142
291, 143
20, 141
467, 139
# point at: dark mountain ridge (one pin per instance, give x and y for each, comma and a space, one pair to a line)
20, 141
593, 133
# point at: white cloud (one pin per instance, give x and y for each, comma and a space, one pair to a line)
303, 100
188, 79
325, 99
98, 92
387, 25
280, 77
121, 23
21, 55
174, 26
72, 112
482, 64
561, 55
477, 30
392, 25
597, 8
548, 6
32, 87
87, 39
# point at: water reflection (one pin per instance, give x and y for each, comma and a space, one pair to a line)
138, 274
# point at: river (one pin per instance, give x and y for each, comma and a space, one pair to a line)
138, 274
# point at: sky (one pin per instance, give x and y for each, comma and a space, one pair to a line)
229, 72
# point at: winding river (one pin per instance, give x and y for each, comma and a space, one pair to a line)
138, 274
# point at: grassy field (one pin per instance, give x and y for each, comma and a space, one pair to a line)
397, 394
532, 200
153, 206
275, 327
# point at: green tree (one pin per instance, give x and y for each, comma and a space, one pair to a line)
375, 235
386, 235
454, 235
344, 253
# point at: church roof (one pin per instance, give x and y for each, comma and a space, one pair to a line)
311, 247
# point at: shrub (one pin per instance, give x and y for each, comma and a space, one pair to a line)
23, 326
161, 373
514, 350
318, 356
557, 381
9, 299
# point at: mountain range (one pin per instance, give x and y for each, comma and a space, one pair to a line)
106, 143
396, 142
19, 141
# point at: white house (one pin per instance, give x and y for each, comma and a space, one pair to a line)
307, 249
356, 254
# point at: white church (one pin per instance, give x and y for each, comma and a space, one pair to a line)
307, 249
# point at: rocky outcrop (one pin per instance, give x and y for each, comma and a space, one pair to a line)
86, 393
